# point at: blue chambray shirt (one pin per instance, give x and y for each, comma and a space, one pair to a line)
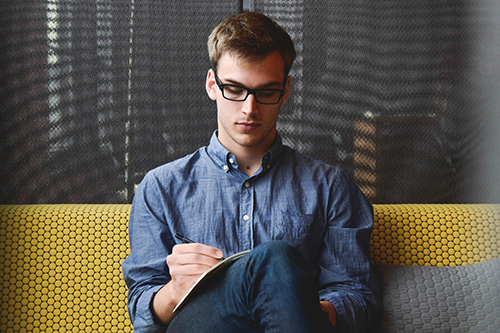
203, 196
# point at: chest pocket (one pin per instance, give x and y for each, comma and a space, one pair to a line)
304, 231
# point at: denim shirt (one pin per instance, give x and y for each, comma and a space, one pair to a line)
205, 197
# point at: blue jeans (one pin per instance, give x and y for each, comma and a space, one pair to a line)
267, 290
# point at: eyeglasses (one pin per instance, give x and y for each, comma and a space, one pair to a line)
239, 94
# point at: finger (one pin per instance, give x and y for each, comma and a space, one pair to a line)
198, 248
188, 269
202, 261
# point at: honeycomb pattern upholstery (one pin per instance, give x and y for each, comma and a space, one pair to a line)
441, 299
435, 235
60, 266
411, 245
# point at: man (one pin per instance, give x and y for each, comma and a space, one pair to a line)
307, 223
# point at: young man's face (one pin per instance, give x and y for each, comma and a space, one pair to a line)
247, 124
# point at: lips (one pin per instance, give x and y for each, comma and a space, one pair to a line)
247, 126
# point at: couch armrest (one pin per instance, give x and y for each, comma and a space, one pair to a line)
440, 299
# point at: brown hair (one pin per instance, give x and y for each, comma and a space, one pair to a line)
250, 36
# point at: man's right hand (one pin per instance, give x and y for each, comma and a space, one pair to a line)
186, 263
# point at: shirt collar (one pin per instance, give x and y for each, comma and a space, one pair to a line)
225, 160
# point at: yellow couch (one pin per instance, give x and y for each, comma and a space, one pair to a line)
60, 265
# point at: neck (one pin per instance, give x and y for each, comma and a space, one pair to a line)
249, 163
249, 157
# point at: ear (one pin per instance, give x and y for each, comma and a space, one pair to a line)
211, 85
287, 90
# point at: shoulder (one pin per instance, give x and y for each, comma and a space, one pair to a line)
167, 180
178, 169
318, 172
314, 167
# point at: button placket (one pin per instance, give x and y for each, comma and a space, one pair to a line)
246, 213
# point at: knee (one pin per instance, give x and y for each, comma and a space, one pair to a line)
281, 261
278, 251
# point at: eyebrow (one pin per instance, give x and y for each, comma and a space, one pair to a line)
269, 85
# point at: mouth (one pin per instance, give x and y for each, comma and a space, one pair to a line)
247, 126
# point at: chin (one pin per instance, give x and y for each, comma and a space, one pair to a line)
246, 141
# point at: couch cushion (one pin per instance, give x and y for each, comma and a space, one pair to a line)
441, 299
435, 235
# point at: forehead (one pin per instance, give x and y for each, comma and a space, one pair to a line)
267, 68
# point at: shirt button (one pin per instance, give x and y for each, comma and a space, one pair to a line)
231, 160
246, 217
247, 184
225, 167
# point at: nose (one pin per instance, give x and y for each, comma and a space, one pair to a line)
250, 105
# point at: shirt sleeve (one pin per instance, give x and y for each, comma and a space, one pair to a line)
346, 279
145, 270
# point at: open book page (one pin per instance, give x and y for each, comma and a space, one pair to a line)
209, 272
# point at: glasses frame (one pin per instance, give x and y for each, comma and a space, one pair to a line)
249, 91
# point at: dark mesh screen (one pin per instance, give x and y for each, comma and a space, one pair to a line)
388, 91
98, 92
401, 95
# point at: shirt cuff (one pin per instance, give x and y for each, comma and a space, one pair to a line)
144, 320
341, 313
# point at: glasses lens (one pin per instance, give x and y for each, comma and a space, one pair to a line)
234, 93
267, 96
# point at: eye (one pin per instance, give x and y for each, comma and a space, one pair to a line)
234, 90
267, 93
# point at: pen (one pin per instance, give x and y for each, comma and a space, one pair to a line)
183, 239
188, 241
